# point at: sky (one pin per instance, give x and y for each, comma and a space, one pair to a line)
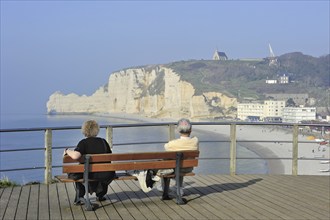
74, 46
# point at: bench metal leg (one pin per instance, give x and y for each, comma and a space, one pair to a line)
179, 199
88, 204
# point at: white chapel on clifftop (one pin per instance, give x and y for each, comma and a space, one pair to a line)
219, 55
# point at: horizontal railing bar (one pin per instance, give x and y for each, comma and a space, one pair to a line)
259, 158
289, 125
163, 142
26, 149
30, 149
139, 143
25, 168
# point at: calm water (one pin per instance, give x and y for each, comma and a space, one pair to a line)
69, 138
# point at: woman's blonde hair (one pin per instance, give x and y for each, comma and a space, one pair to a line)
90, 128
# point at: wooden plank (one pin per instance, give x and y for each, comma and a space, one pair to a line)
295, 201
77, 210
126, 201
218, 200
148, 214
260, 202
4, 200
236, 189
205, 211
23, 203
109, 205
120, 206
237, 209
54, 206
155, 197
33, 202
12, 203
206, 203
254, 203
153, 206
100, 212
64, 202
43, 202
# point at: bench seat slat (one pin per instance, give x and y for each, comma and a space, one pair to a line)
120, 176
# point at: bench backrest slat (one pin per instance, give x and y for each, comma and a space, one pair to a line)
133, 156
131, 161
101, 167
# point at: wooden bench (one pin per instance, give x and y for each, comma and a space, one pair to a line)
123, 162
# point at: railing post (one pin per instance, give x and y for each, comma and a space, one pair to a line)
171, 132
109, 136
48, 156
295, 150
232, 149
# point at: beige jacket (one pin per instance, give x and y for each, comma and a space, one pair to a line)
182, 144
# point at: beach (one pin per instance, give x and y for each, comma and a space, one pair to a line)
279, 147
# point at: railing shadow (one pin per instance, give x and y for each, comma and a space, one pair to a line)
200, 191
217, 188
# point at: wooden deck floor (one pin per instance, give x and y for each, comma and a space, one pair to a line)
209, 197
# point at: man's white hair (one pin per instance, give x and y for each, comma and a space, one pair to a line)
184, 126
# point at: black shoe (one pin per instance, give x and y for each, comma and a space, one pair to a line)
102, 198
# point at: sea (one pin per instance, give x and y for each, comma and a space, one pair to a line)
214, 148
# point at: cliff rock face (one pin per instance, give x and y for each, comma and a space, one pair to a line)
152, 92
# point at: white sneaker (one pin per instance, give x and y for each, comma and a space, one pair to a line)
159, 187
181, 191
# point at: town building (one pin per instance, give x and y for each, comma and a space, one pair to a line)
273, 108
248, 110
298, 114
270, 109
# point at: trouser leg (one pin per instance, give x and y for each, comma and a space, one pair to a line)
166, 188
80, 189
102, 189
80, 192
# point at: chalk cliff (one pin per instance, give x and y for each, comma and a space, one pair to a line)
153, 92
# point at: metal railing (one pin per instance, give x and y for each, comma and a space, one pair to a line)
48, 141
